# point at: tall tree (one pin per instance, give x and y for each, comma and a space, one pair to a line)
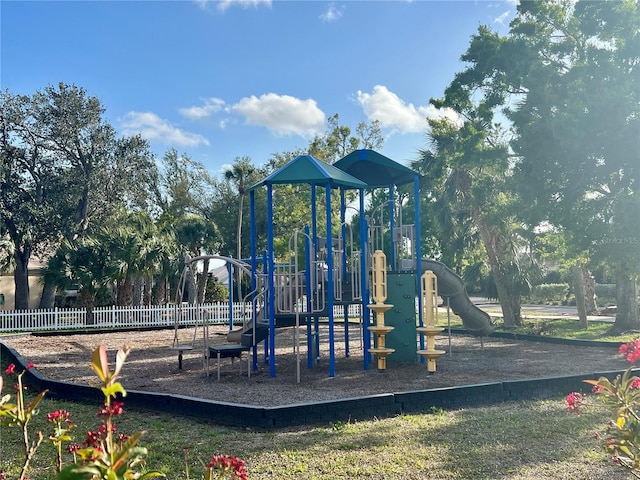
62, 167
181, 185
238, 174
87, 261
182, 194
567, 78
578, 129
197, 236
338, 140
470, 162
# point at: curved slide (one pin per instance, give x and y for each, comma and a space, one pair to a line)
451, 286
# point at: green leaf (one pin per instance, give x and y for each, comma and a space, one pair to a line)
100, 363
112, 390
152, 474
78, 472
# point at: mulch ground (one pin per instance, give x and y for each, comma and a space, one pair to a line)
153, 365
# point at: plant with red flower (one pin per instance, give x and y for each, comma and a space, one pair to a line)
102, 456
104, 453
225, 467
62, 426
575, 401
19, 415
622, 396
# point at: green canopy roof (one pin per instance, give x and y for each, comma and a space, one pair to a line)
375, 169
309, 170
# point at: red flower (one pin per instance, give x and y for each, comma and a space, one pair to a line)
635, 383
59, 416
630, 350
10, 369
116, 408
229, 464
574, 401
30, 365
74, 447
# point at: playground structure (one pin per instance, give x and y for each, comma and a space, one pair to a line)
379, 294
429, 294
327, 268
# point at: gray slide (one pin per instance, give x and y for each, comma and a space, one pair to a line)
450, 286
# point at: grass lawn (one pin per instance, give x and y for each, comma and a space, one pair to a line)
523, 440
542, 323
514, 440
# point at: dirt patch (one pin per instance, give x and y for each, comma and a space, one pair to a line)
153, 366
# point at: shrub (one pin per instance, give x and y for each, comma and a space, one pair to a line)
622, 397
549, 293
606, 293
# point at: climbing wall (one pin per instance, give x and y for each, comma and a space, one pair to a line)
401, 293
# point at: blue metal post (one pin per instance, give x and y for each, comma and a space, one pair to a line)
265, 312
307, 276
270, 281
314, 223
343, 230
332, 353
392, 224
254, 270
364, 256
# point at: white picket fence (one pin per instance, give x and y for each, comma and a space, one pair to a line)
126, 317
117, 317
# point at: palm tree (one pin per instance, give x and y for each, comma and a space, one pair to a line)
85, 261
471, 164
239, 173
197, 236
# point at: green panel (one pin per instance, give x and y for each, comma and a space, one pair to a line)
401, 293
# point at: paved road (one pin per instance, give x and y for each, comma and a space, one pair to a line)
547, 311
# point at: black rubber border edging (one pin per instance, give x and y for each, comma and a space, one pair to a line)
357, 408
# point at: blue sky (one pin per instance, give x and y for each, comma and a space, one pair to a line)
224, 79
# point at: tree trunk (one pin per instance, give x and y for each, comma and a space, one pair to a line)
202, 281
509, 304
589, 283
159, 292
627, 305
125, 292
137, 289
578, 288
48, 297
146, 292
21, 280
192, 289
88, 300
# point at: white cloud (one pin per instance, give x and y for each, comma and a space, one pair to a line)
210, 106
224, 5
502, 18
152, 127
394, 114
282, 114
333, 13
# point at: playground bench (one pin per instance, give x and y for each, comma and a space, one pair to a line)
229, 350
181, 349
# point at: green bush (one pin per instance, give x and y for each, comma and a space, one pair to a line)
549, 293
605, 294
